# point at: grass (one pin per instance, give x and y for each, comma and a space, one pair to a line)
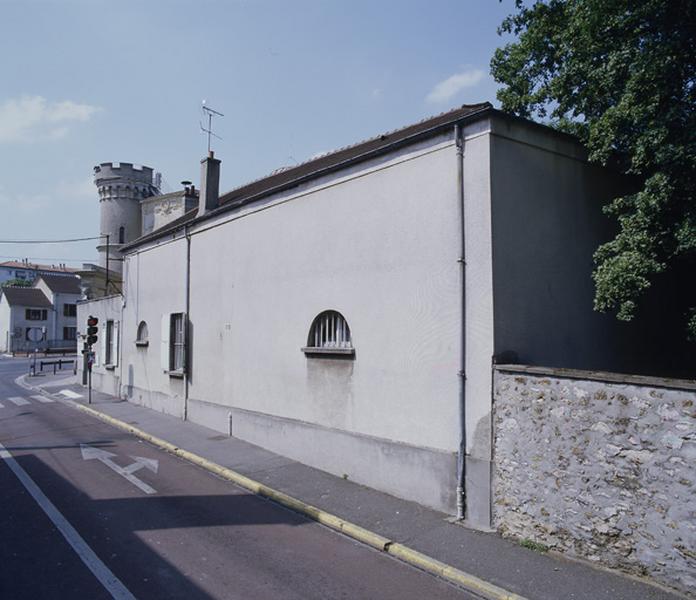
532, 545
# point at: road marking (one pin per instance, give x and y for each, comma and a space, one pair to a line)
89, 453
18, 401
70, 394
2, 406
112, 583
44, 399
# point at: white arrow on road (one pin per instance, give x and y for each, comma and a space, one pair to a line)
90, 453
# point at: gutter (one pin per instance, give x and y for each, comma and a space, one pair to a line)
461, 456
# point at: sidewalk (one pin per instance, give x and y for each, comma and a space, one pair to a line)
488, 556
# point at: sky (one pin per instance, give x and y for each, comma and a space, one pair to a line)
86, 81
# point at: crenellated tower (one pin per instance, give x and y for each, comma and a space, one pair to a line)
121, 188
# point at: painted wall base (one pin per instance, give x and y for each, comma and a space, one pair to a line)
423, 475
154, 400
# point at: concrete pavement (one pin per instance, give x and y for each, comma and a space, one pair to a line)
195, 536
487, 556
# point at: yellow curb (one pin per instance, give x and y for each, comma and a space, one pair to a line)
374, 540
461, 578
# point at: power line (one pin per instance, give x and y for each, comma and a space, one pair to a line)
51, 241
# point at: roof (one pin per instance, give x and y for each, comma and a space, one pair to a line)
322, 165
62, 284
16, 264
338, 157
26, 296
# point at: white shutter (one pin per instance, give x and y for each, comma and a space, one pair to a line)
164, 346
102, 346
114, 344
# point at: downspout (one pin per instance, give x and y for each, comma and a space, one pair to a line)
121, 328
187, 345
461, 458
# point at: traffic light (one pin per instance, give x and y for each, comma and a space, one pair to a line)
92, 329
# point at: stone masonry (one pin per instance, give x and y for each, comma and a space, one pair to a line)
601, 469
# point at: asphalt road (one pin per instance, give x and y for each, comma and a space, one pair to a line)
129, 520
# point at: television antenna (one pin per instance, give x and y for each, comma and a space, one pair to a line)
210, 113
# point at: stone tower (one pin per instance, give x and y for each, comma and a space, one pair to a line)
121, 187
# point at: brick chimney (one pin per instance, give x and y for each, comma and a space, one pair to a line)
210, 184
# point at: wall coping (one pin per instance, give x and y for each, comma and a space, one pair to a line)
608, 377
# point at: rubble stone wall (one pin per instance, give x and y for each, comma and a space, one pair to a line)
599, 466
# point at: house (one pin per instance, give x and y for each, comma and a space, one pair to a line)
25, 271
40, 317
347, 312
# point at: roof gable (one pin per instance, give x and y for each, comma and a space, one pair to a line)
25, 296
60, 284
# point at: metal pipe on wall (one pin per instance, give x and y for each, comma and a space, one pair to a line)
461, 456
187, 341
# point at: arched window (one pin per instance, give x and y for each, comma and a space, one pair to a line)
329, 334
121, 234
142, 337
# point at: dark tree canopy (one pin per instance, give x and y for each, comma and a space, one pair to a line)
621, 75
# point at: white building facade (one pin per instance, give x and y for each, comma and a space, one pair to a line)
347, 312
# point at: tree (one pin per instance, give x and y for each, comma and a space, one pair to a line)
18, 282
621, 75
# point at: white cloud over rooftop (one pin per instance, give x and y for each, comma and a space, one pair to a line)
33, 118
448, 88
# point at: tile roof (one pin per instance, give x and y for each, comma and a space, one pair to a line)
26, 296
326, 163
61, 284
337, 157
16, 264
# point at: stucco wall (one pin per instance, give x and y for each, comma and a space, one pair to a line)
105, 379
5, 325
378, 243
547, 222
604, 470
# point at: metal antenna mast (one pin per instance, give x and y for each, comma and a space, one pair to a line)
209, 112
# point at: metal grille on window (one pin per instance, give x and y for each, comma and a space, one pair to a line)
330, 331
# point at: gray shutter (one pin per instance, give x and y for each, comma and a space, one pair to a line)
164, 345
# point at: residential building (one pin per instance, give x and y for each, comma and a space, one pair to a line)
40, 317
347, 312
25, 271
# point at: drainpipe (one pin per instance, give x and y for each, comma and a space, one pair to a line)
461, 458
187, 345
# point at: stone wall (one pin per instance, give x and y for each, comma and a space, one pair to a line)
599, 466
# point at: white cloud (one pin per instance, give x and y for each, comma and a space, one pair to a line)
451, 86
33, 118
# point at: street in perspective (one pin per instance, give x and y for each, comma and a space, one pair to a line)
348, 300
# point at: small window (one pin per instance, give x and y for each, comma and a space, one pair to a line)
121, 234
69, 310
69, 333
142, 335
35, 314
329, 334
176, 337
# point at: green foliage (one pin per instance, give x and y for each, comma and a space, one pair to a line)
532, 545
621, 75
18, 282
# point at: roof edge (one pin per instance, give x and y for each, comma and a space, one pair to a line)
486, 109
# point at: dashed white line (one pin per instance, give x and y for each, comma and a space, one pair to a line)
70, 394
18, 401
112, 583
44, 399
